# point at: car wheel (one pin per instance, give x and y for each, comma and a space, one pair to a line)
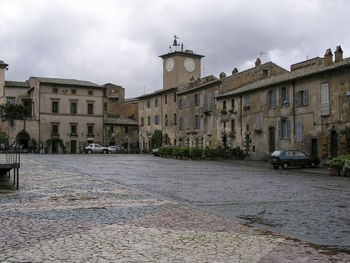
104, 151
285, 166
313, 164
89, 151
275, 167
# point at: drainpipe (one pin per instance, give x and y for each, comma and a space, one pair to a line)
241, 115
293, 108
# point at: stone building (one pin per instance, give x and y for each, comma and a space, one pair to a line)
306, 108
120, 118
159, 110
62, 114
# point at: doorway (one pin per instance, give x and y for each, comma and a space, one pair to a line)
334, 143
314, 152
73, 146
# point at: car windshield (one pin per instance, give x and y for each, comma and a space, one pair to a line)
299, 154
97, 145
276, 153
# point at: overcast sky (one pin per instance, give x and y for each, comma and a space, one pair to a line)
117, 41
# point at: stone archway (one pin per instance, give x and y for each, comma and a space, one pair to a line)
23, 139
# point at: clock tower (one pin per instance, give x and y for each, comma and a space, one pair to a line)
180, 66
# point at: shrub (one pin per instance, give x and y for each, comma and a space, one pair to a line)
339, 162
196, 152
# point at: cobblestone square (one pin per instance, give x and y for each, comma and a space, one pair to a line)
63, 214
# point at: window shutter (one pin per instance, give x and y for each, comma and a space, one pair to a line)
209, 101
274, 98
201, 101
288, 128
209, 126
258, 121
268, 100
280, 97
279, 129
202, 125
305, 99
297, 99
287, 95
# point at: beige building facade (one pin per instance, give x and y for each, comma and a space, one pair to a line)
306, 108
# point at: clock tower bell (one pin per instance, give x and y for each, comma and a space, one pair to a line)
180, 66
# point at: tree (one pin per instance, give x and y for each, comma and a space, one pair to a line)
12, 112
4, 138
157, 138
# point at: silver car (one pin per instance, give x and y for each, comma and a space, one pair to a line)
95, 148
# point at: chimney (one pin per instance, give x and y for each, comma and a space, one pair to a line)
234, 71
257, 62
338, 53
222, 75
328, 57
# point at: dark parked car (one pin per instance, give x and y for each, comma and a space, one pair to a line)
292, 158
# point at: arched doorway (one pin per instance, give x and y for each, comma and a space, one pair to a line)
23, 139
334, 143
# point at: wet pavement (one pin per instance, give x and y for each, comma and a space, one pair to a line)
140, 208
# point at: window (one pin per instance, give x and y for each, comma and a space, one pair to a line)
174, 96
209, 126
90, 92
156, 119
142, 122
202, 125
105, 106
55, 106
90, 109
73, 107
201, 101
325, 109
126, 130
111, 128
232, 126
175, 119
165, 99
54, 130
74, 91
224, 105
180, 103
73, 130
196, 121
216, 94
10, 100
258, 121
247, 101
148, 104
301, 98
187, 122
196, 99
55, 90
142, 104
299, 132
148, 120
209, 101
265, 72
284, 128
90, 130
181, 124
166, 119
284, 96
271, 99
233, 104
156, 102
188, 103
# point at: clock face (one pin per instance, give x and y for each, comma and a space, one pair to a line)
189, 64
169, 65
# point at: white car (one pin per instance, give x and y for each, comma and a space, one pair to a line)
95, 148
114, 149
